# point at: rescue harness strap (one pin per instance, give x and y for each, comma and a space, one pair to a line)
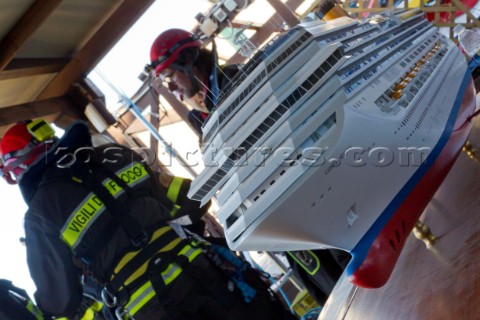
146, 253
164, 295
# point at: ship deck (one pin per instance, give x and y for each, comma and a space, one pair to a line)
439, 283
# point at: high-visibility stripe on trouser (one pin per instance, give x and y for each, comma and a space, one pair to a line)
146, 292
89, 314
95, 308
34, 310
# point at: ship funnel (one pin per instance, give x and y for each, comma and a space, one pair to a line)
331, 9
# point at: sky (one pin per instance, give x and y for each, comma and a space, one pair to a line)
121, 66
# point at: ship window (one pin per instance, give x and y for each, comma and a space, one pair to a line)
307, 85
338, 54
217, 176
276, 114
227, 165
256, 134
325, 67
299, 93
231, 220
211, 131
315, 136
269, 122
319, 73
313, 78
200, 194
290, 101
331, 60
249, 88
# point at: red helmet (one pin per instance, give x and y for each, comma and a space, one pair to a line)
21, 145
16, 138
166, 48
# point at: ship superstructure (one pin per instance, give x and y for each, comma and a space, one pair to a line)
326, 131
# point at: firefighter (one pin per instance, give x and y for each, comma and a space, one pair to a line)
190, 71
101, 213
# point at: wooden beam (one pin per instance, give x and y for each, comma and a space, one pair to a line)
285, 12
25, 27
50, 119
19, 68
37, 109
267, 29
251, 25
97, 47
92, 90
51, 110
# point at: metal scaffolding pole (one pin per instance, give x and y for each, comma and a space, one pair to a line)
132, 107
171, 151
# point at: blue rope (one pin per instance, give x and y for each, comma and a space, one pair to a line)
247, 291
287, 301
312, 314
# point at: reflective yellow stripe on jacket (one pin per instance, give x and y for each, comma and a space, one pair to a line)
92, 207
172, 194
146, 292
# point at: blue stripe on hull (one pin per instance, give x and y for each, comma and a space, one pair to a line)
359, 252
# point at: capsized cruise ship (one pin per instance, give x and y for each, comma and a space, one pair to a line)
337, 135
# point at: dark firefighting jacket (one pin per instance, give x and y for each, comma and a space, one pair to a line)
69, 231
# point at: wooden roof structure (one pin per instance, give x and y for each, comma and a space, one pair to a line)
47, 47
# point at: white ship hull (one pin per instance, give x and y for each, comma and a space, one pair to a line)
325, 148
